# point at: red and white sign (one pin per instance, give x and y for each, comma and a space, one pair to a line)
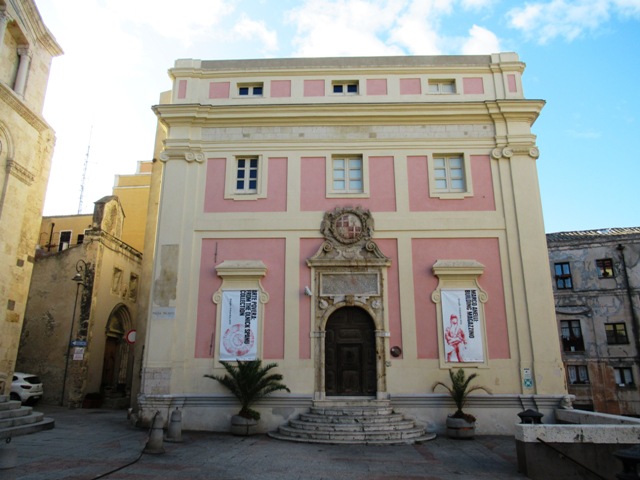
130, 337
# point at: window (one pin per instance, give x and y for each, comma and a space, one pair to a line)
80, 239
65, 240
250, 89
247, 175
571, 336
133, 287
616, 333
605, 267
347, 174
577, 374
347, 87
624, 376
445, 87
448, 172
563, 276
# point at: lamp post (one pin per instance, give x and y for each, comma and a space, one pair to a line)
79, 278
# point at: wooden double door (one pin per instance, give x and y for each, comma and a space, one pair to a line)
350, 353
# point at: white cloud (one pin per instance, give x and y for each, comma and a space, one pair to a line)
249, 29
545, 21
192, 20
343, 27
481, 42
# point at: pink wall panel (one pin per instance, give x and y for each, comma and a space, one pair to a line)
272, 252
472, 85
308, 248
219, 89
381, 186
511, 81
376, 86
389, 247
182, 89
314, 88
425, 252
280, 88
483, 195
410, 86
276, 200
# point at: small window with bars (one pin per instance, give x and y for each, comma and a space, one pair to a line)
577, 374
604, 267
563, 276
624, 376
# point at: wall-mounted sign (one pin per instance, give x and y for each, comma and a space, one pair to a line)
462, 326
239, 325
78, 353
78, 343
130, 337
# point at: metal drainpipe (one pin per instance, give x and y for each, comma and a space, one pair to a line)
635, 324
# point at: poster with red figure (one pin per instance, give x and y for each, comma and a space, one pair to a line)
239, 329
462, 326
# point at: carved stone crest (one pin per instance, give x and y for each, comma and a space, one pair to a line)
347, 225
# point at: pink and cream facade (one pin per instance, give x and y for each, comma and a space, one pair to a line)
365, 223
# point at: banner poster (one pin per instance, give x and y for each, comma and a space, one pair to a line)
239, 328
462, 327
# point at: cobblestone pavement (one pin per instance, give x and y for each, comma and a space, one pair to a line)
88, 444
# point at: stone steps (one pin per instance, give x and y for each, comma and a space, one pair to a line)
16, 420
352, 421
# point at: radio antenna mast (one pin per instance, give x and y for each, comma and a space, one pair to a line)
84, 172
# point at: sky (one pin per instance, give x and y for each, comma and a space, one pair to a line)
581, 57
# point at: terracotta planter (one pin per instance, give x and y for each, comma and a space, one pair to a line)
242, 426
460, 428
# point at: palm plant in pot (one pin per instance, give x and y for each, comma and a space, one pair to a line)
460, 424
249, 381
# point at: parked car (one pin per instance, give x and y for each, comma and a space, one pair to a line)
26, 387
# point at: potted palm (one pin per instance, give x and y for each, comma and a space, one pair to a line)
249, 381
460, 424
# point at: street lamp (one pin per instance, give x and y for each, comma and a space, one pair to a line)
79, 278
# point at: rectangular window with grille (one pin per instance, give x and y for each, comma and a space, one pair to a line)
616, 333
563, 276
577, 374
247, 175
571, 333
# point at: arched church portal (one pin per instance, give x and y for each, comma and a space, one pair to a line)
348, 312
117, 367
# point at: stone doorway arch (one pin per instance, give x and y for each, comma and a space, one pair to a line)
117, 366
348, 271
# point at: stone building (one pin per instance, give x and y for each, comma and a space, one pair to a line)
597, 295
366, 223
80, 321
26, 146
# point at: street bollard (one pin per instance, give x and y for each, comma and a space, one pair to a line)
174, 430
154, 445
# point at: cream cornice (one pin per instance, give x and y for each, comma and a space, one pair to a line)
23, 110
20, 172
39, 30
500, 111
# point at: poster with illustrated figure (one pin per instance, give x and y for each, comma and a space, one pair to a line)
239, 325
462, 326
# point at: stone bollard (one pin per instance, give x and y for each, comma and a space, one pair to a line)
154, 444
174, 430
8, 458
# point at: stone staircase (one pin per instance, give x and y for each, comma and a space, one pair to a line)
353, 421
16, 420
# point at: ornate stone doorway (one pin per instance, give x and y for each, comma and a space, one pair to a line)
117, 366
349, 325
350, 353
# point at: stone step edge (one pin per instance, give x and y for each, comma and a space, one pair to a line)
351, 427
404, 433
409, 441
30, 419
46, 424
16, 412
352, 419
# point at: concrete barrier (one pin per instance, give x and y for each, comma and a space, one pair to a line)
574, 451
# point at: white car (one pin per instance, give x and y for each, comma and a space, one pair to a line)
26, 387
